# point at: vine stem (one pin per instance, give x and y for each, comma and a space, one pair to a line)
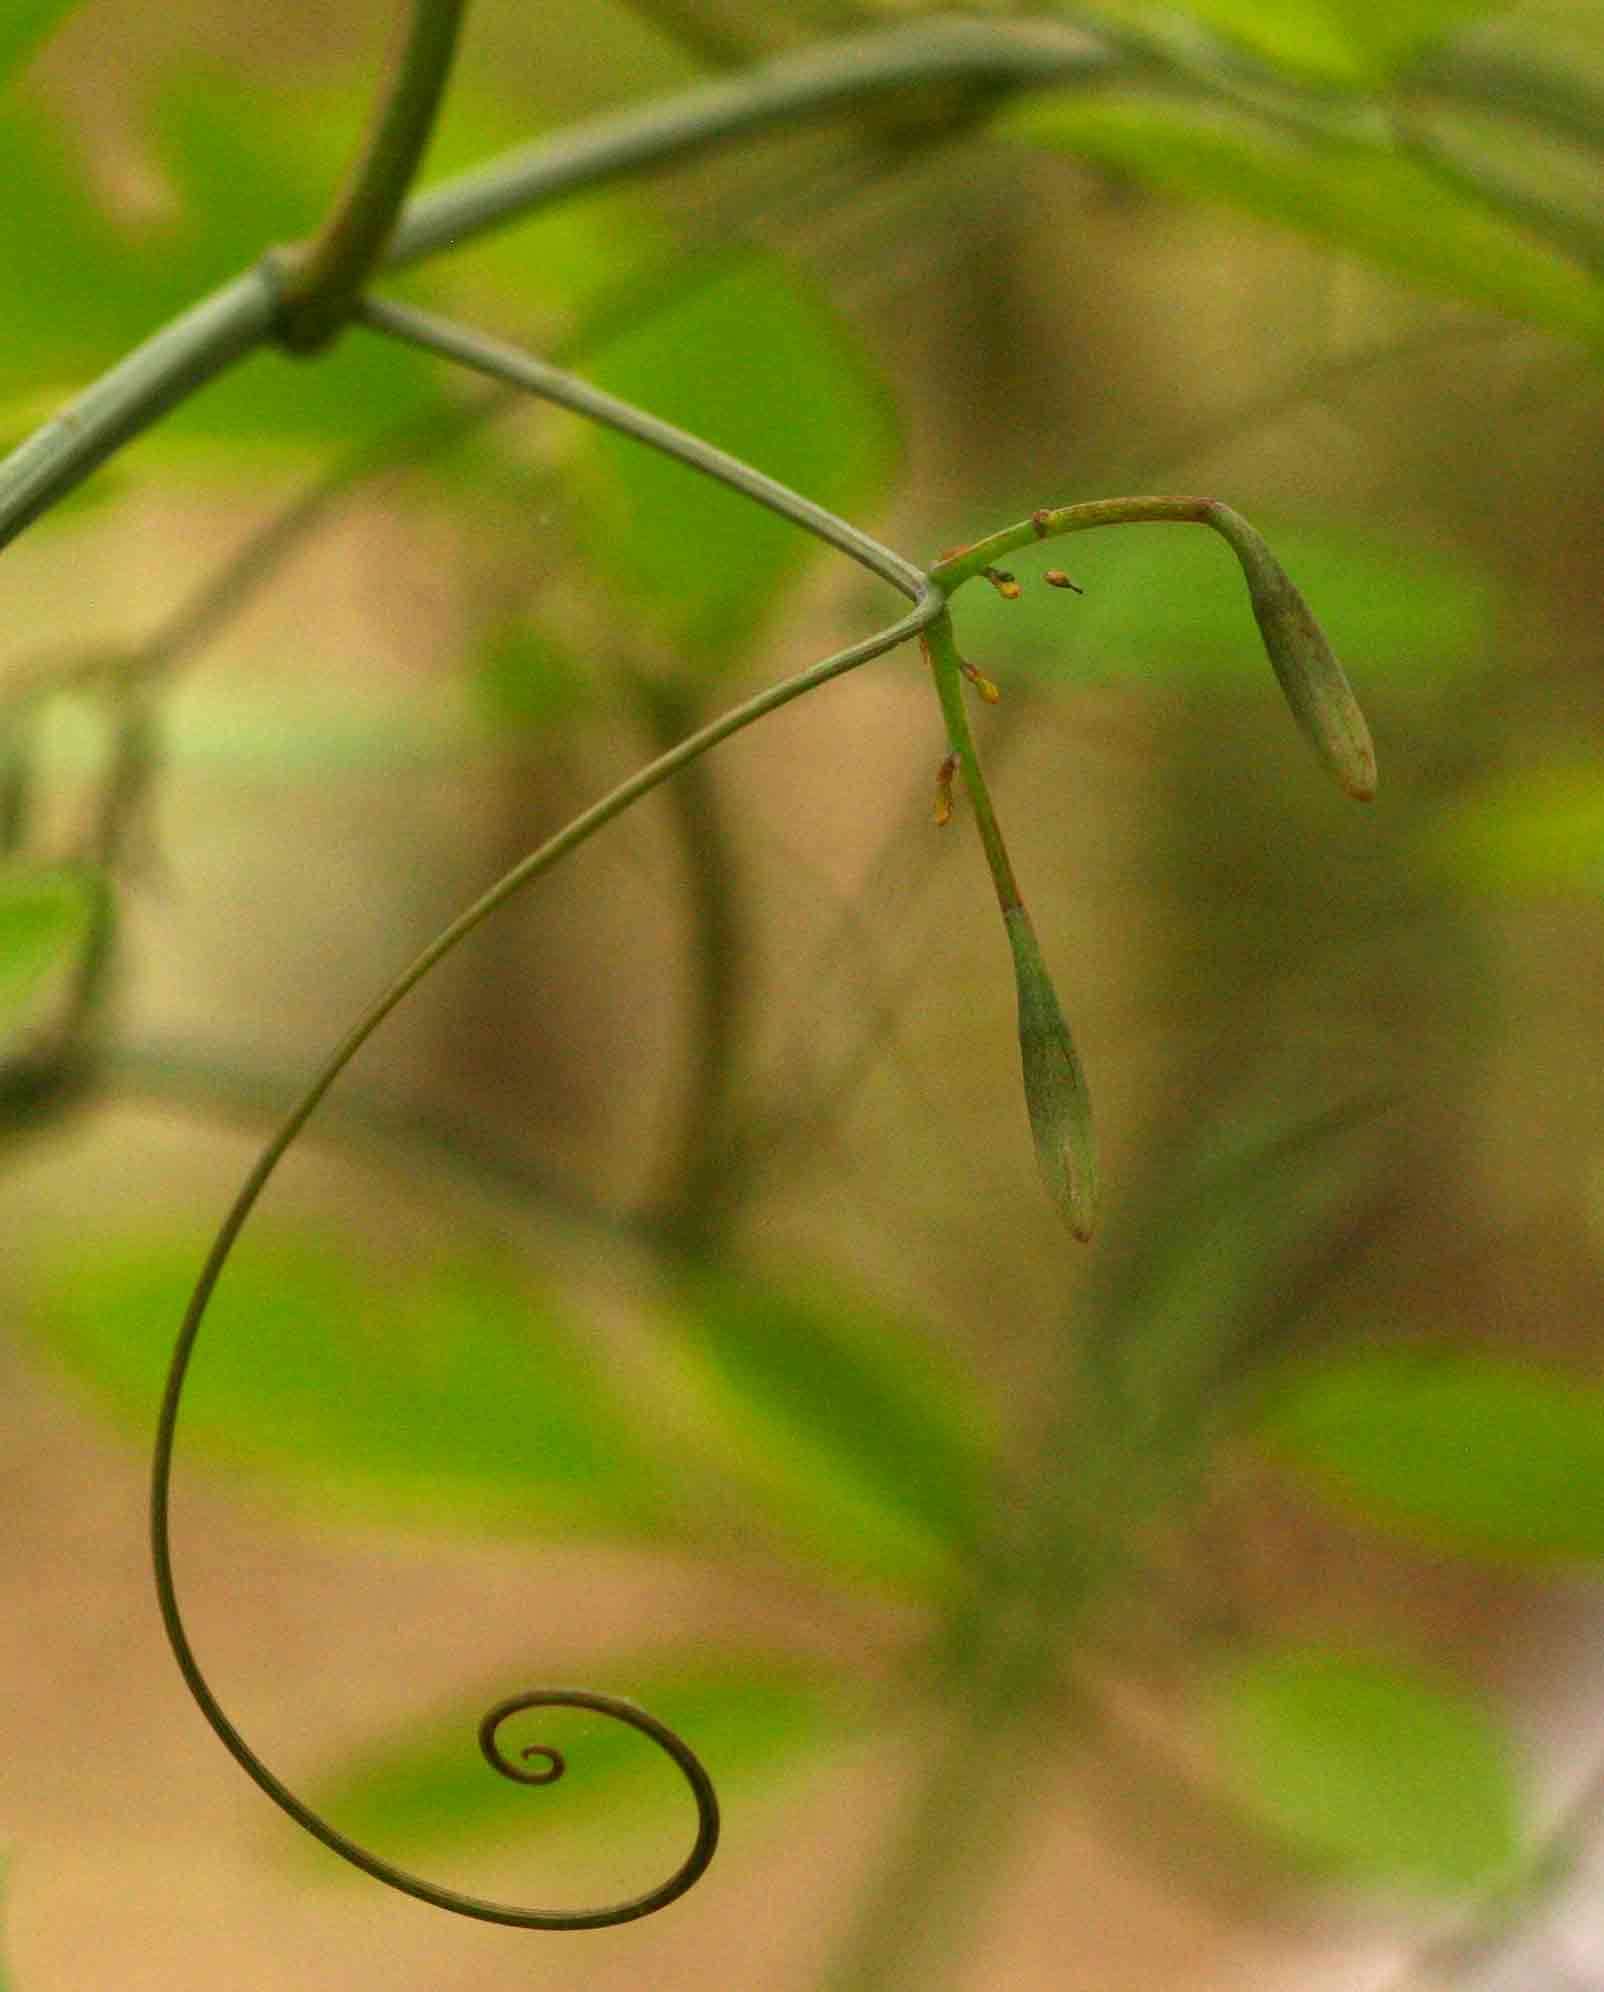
322, 278
508, 364
1054, 521
701, 1182
248, 311
946, 668
790, 90
961, 1828
541, 860
482, 354
1055, 1086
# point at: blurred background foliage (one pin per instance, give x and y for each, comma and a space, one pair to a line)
666, 1299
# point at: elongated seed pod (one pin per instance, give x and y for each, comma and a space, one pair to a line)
1055, 1089
1316, 688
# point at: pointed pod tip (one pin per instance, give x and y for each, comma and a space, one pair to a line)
1357, 774
1055, 1090
1068, 1169
1313, 682
1342, 740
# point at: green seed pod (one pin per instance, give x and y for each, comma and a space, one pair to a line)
1055, 1090
1320, 696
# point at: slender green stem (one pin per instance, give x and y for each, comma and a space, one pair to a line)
167, 369
324, 279
1000, 55
701, 1185
234, 1221
502, 362
1002, 1714
960, 1830
221, 596
942, 653
967, 562
1055, 1086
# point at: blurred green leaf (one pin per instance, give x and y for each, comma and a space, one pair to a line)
1462, 1451
754, 362
527, 682
856, 1437
1357, 198
240, 728
1168, 603
1337, 41
1365, 1768
45, 918
1536, 830
1558, 88
245, 170
1217, 1257
443, 1397
247, 167
563, 263
24, 24
429, 1788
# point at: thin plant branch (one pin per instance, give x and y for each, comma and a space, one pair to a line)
199, 619
947, 669
541, 860
979, 55
701, 1184
481, 354
155, 378
252, 309
323, 278
248, 311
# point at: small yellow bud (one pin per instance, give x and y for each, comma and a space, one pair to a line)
982, 684
944, 775
1055, 577
1004, 583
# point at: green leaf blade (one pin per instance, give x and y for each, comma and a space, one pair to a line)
1341, 42
1464, 1452
453, 1396
46, 915
1534, 831
1403, 615
1369, 1770
1357, 198
847, 1431
755, 363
